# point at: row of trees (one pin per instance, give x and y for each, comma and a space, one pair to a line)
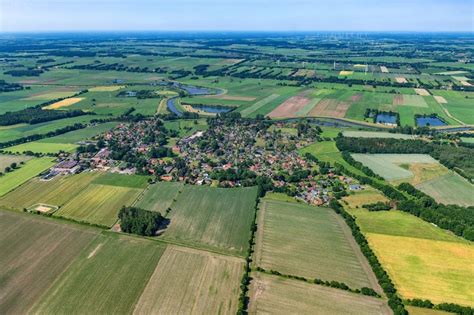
9, 87
36, 115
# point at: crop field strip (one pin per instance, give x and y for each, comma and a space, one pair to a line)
316, 244
212, 218
431, 263
271, 294
35, 251
159, 196
189, 281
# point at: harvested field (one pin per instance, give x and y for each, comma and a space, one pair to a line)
431, 264
290, 107
316, 243
43, 208
276, 295
98, 204
214, 218
401, 80
159, 196
35, 251
308, 107
410, 100
107, 278
65, 103
346, 73
106, 88
384, 69
437, 270
440, 100
422, 92
330, 108
367, 196
188, 281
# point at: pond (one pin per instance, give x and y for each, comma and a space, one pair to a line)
429, 122
386, 119
213, 109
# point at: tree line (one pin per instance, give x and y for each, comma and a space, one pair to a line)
36, 115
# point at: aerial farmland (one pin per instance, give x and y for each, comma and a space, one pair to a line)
236, 174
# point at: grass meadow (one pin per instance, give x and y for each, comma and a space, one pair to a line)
271, 294
188, 281
7, 160
27, 171
312, 242
213, 218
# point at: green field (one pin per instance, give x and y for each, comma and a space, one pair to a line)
7, 160
186, 127
29, 170
428, 263
312, 242
450, 188
214, 218
35, 251
108, 277
120, 180
42, 147
57, 191
189, 281
159, 196
98, 204
80, 135
276, 295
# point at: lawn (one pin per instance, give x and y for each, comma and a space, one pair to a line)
159, 196
27, 171
107, 278
213, 218
56, 191
35, 251
98, 204
312, 242
276, 295
188, 281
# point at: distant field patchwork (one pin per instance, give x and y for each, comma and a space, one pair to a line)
308, 241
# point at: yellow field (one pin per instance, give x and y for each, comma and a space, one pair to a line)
428, 269
344, 73
65, 103
366, 196
276, 295
188, 281
423, 172
424, 311
422, 92
109, 88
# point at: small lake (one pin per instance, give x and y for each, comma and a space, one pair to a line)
429, 122
212, 109
386, 119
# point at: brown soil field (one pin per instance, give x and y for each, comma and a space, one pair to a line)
398, 100
289, 107
330, 108
401, 80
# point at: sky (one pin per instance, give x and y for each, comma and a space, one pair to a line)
237, 15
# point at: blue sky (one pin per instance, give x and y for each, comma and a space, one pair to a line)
266, 15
